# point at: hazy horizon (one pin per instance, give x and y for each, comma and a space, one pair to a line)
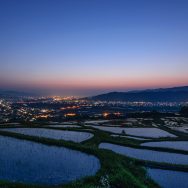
76, 93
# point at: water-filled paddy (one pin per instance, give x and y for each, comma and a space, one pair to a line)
111, 125
64, 126
74, 136
34, 163
68, 123
144, 132
132, 137
96, 122
168, 178
149, 155
181, 145
183, 128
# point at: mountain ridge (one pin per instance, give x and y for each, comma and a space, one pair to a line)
174, 94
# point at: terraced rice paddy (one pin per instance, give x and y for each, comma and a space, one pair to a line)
183, 128
132, 137
168, 178
64, 126
74, 136
149, 155
96, 122
34, 163
143, 132
181, 145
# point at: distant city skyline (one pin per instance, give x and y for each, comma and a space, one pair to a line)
81, 47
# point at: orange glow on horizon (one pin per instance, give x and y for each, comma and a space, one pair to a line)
99, 83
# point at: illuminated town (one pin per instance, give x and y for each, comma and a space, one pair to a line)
57, 109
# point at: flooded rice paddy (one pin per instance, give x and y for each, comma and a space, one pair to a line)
132, 137
143, 132
181, 145
34, 163
168, 178
149, 155
64, 126
74, 136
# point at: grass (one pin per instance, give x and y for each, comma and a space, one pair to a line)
119, 171
116, 171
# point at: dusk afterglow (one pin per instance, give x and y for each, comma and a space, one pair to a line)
85, 47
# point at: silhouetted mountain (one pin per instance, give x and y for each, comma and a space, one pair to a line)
176, 94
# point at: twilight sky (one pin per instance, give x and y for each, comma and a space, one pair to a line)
85, 47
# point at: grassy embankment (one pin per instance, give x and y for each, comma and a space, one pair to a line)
116, 170
119, 171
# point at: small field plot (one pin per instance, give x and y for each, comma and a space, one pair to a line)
33, 163
168, 178
181, 145
64, 126
132, 137
68, 123
74, 136
148, 155
95, 122
142, 132
182, 128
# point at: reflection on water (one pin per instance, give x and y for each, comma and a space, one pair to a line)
181, 145
30, 162
168, 178
143, 132
74, 136
145, 154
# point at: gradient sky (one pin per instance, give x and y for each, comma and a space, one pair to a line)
85, 47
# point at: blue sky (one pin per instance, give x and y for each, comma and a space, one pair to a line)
85, 47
